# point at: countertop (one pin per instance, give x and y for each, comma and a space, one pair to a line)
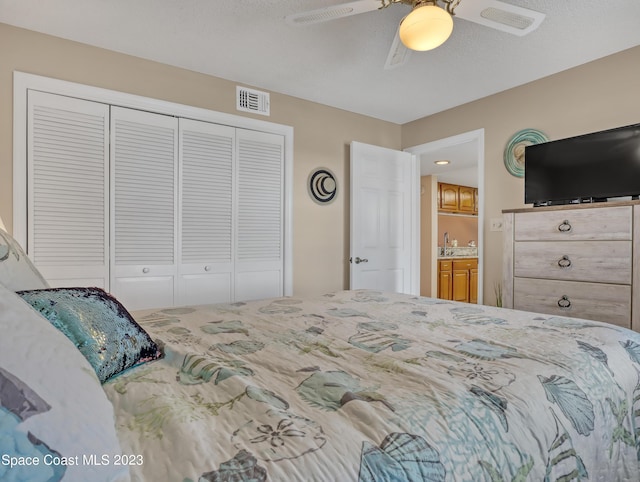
458, 257
452, 252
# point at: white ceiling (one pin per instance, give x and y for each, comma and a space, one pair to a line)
338, 63
463, 159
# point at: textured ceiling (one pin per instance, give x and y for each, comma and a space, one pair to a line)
338, 63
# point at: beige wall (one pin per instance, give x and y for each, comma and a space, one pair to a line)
462, 229
428, 231
592, 97
321, 136
595, 96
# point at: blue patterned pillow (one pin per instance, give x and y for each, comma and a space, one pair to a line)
101, 328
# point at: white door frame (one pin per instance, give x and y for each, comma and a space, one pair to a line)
476, 136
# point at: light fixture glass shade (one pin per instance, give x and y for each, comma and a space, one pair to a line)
426, 28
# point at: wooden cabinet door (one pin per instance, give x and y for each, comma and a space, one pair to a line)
444, 280
460, 284
466, 199
473, 286
448, 197
475, 201
444, 285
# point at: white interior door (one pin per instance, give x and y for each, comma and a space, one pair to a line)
383, 219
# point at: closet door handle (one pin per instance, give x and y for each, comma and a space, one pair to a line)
565, 226
564, 302
564, 262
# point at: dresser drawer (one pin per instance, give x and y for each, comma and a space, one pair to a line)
592, 301
596, 261
612, 223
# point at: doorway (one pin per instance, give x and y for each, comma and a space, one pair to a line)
465, 153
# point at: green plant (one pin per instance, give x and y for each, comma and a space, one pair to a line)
497, 289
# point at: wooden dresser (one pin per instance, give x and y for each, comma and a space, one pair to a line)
574, 260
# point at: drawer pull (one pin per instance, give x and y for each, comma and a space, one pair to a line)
564, 262
565, 227
145, 270
564, 302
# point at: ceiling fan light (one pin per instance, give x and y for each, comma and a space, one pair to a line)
426, 28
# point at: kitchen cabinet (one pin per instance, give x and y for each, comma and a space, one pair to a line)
449, 194
445, 280
473, 285
475, 201
453, 198
458, 280
466, 199
460, 291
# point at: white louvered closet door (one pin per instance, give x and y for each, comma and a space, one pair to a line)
144, 193
67, 152
206, 241
259, 260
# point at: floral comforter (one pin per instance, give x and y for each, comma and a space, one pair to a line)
369, 386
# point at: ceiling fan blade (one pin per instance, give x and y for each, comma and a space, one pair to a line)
333, 12
501, 16
398, 53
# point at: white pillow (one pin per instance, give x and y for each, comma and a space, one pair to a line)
52, 406
17, 272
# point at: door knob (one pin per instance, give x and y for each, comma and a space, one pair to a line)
361, 260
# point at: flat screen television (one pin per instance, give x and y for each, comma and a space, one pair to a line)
587, 168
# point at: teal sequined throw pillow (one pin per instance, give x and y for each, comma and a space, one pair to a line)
99, 326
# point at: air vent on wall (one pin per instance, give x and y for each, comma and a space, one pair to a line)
249, 100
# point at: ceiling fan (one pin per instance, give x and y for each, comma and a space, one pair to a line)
428, 25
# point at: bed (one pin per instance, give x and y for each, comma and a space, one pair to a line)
348, 386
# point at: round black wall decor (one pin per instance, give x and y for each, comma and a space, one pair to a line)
322, 185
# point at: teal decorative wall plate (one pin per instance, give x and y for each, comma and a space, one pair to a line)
514, 150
